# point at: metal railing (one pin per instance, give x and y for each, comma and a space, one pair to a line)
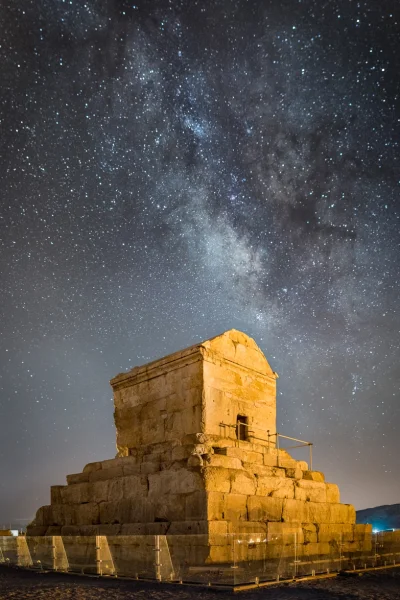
277, 435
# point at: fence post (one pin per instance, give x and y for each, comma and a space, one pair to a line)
157, 563
277, 449
98, 556
53, 553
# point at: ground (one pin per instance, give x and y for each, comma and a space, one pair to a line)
27, 585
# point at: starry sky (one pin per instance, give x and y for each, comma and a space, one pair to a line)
174, 169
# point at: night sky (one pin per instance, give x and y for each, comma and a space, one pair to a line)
171, 170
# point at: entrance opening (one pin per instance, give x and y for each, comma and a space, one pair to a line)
242, 428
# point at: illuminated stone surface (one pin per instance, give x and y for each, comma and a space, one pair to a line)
181, 469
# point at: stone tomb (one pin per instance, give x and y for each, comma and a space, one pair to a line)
197, 455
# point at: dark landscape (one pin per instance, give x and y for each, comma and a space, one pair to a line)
381, 517
27, 585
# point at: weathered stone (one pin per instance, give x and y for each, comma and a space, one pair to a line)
276, 487
296, 511
216, 479
235, 507
332, 493
310, 491
88, 514
77, 478
328, 532
91, 467
227, 462
310, 533
76, 493
55, 494
103, 474
196, 462
243, 483
294, 473
261, 508
314, 476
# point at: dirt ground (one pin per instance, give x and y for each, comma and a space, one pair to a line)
27, 585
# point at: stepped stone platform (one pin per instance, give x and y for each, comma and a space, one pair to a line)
197, 460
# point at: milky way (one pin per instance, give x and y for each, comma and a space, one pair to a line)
174, 169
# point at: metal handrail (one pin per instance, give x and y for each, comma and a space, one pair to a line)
302, 443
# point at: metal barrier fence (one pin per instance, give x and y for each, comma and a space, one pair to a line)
209, 560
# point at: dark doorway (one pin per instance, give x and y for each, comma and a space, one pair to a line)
242, 428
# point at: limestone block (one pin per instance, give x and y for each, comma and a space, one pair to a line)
276, 487
301, 464
91, 467
310, 533
216, 506
294, 473
53, 530
314, 476
108, 530
36, 530
335, 532
248, 456
287, 463
114, 513
270, 460
262, 508
332, 493
243, 483
196, 506
235, 507
115, 462
115, 489
289, 533
79, 530
130, 464
195, 461
147, 468
318, 549
127, 511
170, 507
131, 468
180, 452
188, 527
98, 491
135, 486
217, 527
55, 494
247, 528
364, 531
43, 516
296, 511
216, 479
77, 478
167, 482
76, 493
330, 513
343, 513
228, 462
64, 514
219, 554
102, 474
144, 528
257, 470
310, 491
87, 514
